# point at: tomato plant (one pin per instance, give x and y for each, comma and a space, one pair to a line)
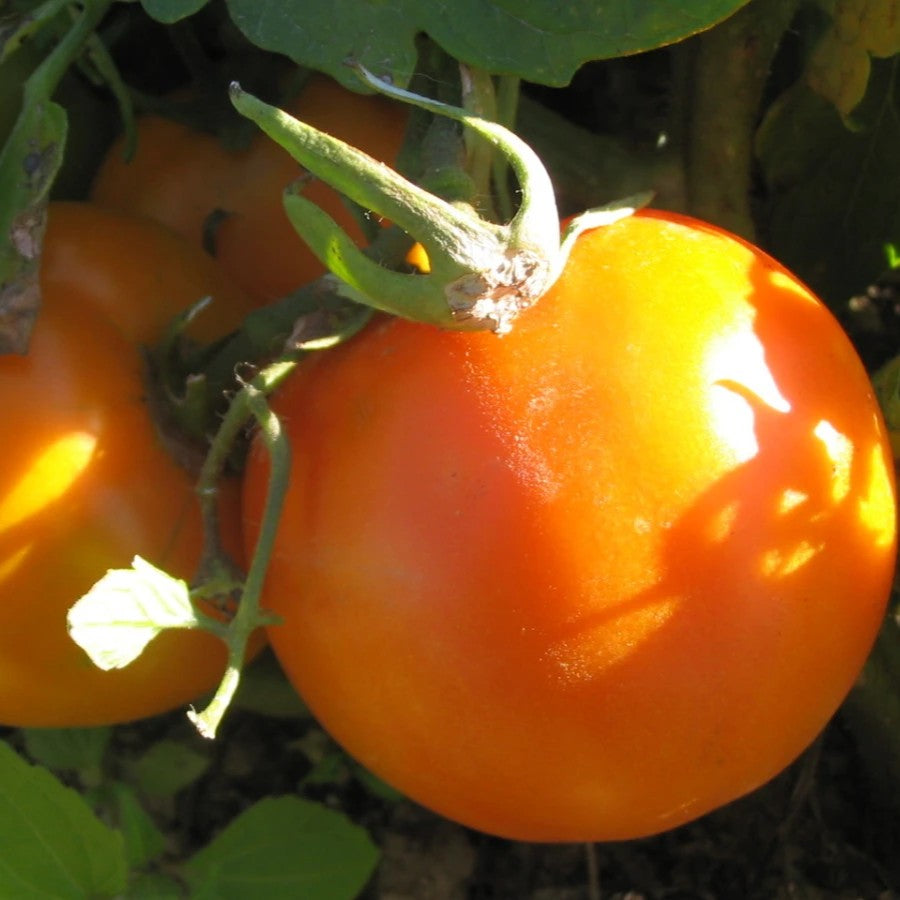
87, 482
596, 577
181, 177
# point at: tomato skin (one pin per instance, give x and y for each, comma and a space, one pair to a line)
597, 577
179, 177
137, 273
86, 483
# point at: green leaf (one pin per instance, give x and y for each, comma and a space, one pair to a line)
52, 844
539, 40
154, 887
839, 71
835, 193
143, 841
840, 64
169, 11
374, 785
75, 749
30, 159
29, 162
167, 767
116, 619
332, 768
283, 848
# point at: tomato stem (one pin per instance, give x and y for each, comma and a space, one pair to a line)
250, 402
535, 225
105, 65
318, 328
482, 274
507, 99
479, 99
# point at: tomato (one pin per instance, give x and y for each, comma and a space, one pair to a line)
594, 578
180, 177
137, 272
86, 483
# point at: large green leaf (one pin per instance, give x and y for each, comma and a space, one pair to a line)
539, 40
52, 844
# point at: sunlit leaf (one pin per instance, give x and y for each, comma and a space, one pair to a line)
125, 610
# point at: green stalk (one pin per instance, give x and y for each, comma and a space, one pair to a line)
482, 274
45, 79
314, 329
589, 168
106, 67
507, 101
479, 99
28, 25
249, 403
727, 76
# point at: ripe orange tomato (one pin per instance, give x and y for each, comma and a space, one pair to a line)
594, 578
86, 482
136, 272
180, 177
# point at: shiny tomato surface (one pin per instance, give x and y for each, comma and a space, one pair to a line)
599, 576
86, 483
180, 177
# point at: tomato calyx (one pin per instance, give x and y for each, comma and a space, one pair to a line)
482, 274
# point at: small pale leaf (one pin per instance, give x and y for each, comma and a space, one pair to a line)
116, 619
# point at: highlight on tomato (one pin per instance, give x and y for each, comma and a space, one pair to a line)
192, 183
601, 575
86, 482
